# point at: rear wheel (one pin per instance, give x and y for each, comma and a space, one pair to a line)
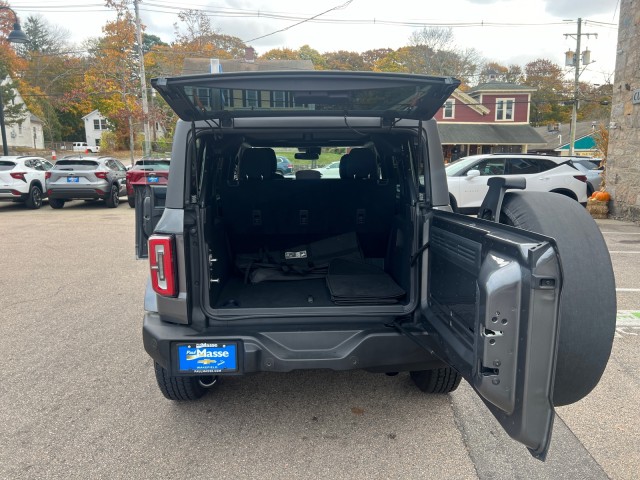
132, 201
588, 299
438, 380
56, 203
183, 388
34, 200
113, 200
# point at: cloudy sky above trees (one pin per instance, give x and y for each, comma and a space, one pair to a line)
506, 31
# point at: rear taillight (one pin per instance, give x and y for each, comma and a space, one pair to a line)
102, 175
582, 178
47, 175
162, 255
18, 176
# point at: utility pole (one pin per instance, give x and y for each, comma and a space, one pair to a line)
576, 86
143, 84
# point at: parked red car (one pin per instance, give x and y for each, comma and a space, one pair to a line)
146, 171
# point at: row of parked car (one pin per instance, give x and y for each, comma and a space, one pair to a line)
30, 179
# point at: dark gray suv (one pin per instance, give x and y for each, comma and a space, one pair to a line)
253, 272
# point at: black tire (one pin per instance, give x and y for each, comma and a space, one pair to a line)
588, 298
132, 201
34, 200
56, 203
438, 380
589, 190
182, 388
113, 200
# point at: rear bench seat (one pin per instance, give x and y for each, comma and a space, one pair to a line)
263, 211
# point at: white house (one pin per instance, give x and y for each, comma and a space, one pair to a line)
26, 133
94, 125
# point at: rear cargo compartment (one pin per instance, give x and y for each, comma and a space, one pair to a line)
275, 242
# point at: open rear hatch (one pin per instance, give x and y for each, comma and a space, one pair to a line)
298, 93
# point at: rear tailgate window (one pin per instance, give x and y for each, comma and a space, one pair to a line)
76, 165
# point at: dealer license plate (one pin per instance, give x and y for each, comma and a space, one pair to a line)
152, 179
207, 357
73, 179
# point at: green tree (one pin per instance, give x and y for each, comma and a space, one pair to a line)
343, 60
547, 102
496, 72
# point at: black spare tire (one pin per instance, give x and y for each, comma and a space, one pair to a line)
588, 297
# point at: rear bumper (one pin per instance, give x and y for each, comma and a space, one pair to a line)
375, 348
79, 193
10, 194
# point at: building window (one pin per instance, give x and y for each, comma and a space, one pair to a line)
251, 98
280, 99
448, 109
19, 129
504, 108
227, 97
99, 124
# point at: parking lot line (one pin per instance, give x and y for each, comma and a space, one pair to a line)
624, 251
620, 233
628, 318
627, 289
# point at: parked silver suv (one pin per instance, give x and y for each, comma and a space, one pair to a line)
87, 178
250, 271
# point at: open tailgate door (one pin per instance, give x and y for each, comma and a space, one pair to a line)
491, 301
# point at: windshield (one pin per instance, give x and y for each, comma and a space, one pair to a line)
457, 166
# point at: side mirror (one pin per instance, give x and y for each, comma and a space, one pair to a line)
473, 173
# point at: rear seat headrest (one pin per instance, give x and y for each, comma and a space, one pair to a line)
308, 175
258, 164
359, 163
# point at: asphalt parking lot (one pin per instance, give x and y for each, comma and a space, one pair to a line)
78, 397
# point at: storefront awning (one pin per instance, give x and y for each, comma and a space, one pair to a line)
490, 134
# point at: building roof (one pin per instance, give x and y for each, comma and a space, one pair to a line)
35, 118
556, 137
91, 113
193, 66
470, 101
501, 87
488, 134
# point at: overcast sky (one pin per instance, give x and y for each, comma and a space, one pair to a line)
506, 31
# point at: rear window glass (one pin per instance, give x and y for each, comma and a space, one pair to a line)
153, 164
5, 165
80, 164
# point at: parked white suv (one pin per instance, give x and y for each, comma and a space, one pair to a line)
467, 177
22, 179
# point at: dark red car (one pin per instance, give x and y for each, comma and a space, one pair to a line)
146, 171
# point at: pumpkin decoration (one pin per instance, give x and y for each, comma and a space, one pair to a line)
602, 196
